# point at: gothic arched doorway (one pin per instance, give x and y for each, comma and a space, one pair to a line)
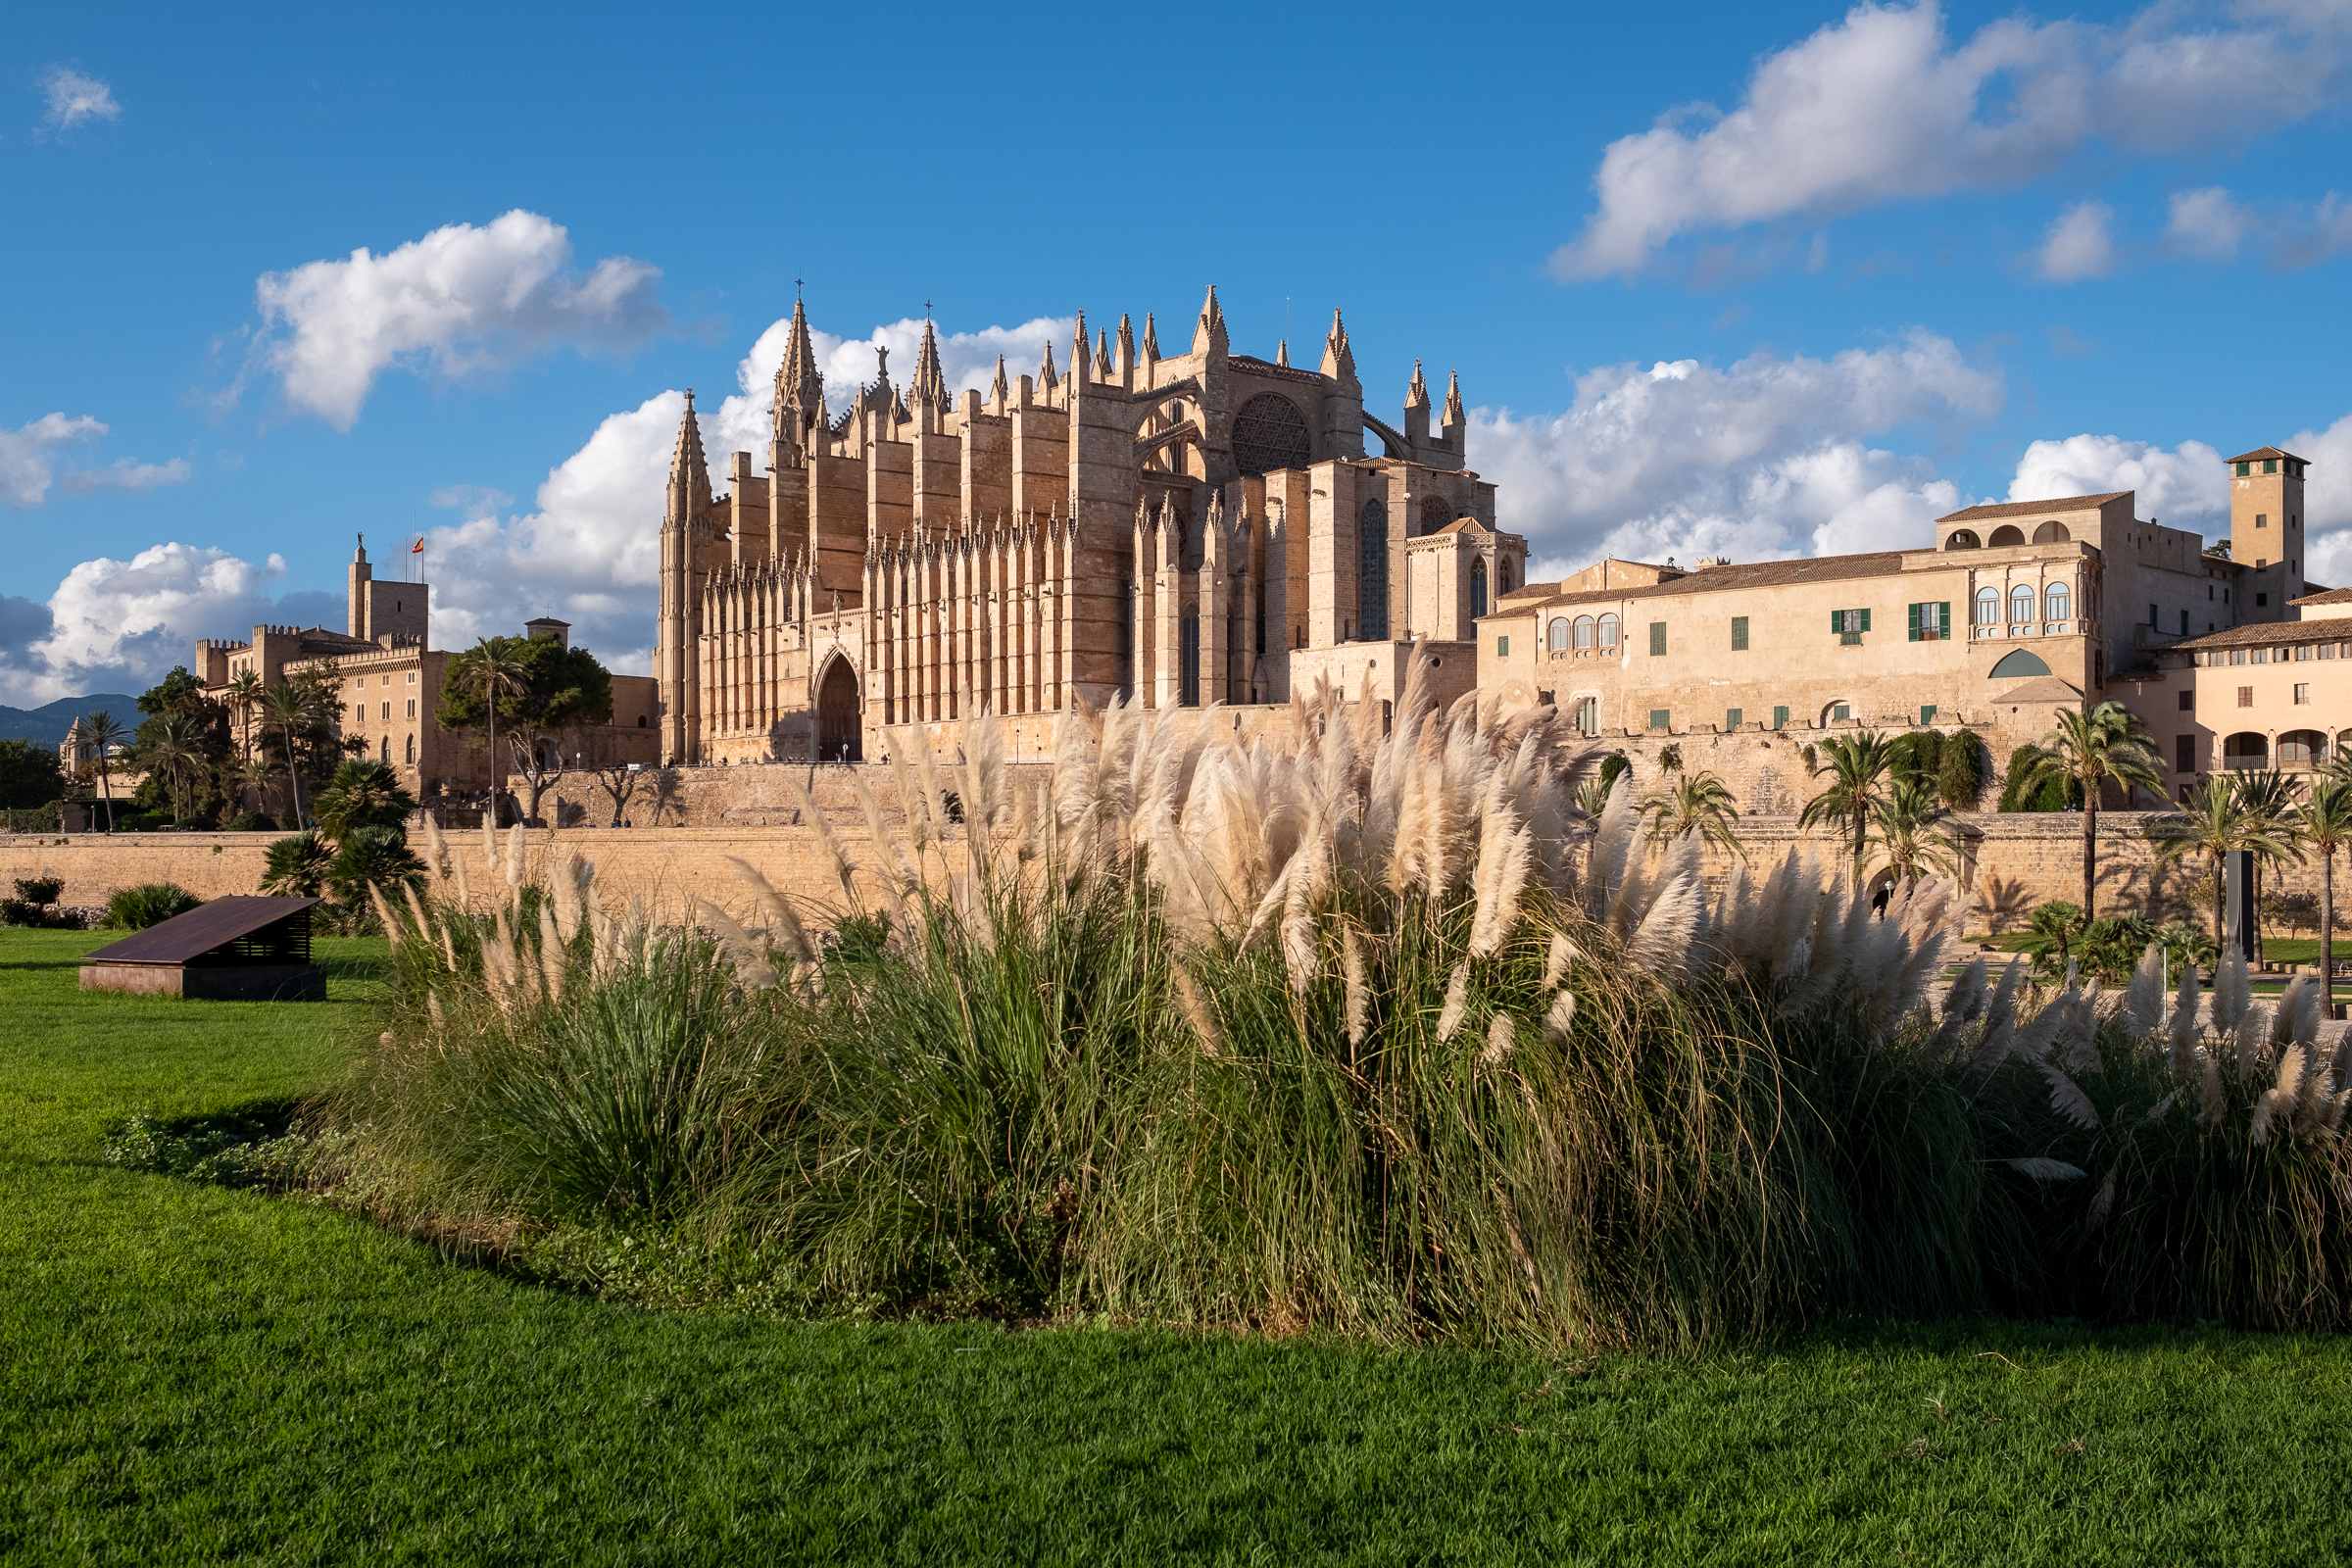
838, 736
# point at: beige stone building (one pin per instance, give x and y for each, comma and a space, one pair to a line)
1182, 530
388, 681
2016, 610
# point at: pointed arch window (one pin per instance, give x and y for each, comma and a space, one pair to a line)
1477, 588
1372, 571
1435, 512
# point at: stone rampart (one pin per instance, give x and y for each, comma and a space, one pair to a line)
2010, 863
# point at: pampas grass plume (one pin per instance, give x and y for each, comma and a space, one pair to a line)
1457, 1002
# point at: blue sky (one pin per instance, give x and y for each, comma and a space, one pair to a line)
1752, 279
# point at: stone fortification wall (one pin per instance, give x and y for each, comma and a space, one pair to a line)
2010, 863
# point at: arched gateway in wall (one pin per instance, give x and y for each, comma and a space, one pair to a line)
840, 737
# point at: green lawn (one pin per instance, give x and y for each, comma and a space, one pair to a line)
194, 1375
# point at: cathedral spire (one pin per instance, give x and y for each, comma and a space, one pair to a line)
800, 406
1151, 341
1282, 353
1103, 370
1047, 380
1453, 398
1208, 338
1338, 360
1001, 389
1126, 359
688, 474
929, 385
1416, 395
1078, 350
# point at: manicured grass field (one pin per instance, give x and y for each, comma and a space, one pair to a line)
194, 1375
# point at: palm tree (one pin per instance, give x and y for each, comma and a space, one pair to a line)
255, 774
2325, 826
289, 709
1858, 765
2216, 828
1699, 803
2087, 749
1907, 829
104, 734
176, 751
490, 674
244, 695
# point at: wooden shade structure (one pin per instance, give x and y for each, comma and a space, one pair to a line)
245, 947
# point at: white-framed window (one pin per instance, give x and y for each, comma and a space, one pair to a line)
1988, 607
2020, 604
2056, 602
2302, 693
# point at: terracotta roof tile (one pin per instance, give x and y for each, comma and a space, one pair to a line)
2325, 595
2260, 452
1760, 574
2269, 634
2028, 508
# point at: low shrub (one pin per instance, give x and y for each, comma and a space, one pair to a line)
135, 909
252, 822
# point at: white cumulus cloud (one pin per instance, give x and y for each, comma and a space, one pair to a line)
457, 302
2327, 501
2185, 487
2079, 244
120, 624
1763, 460
1884, 105
29, 462
73, 98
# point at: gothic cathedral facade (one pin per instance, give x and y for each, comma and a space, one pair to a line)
1188, 531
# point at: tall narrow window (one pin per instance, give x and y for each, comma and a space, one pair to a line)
1583, 633
2184, 753
1608, 631
2020, 604
412, 750
1988, 607
1739, 635
1779, 719
1372, 571
1189, 660
2057, 603
1477, 588
1657, 637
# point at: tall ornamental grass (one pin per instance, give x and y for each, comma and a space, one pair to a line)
1337, 1030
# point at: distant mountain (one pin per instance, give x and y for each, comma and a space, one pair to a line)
48, 725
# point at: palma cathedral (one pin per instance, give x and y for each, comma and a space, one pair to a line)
1190, 530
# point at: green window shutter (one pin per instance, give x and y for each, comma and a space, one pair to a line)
1502, 648
1739, 634
1732, 717
1866, 621
1779, 719
1657, 637
1837, 621
1943, 619
1661, 718
1927, 712
1914, 624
